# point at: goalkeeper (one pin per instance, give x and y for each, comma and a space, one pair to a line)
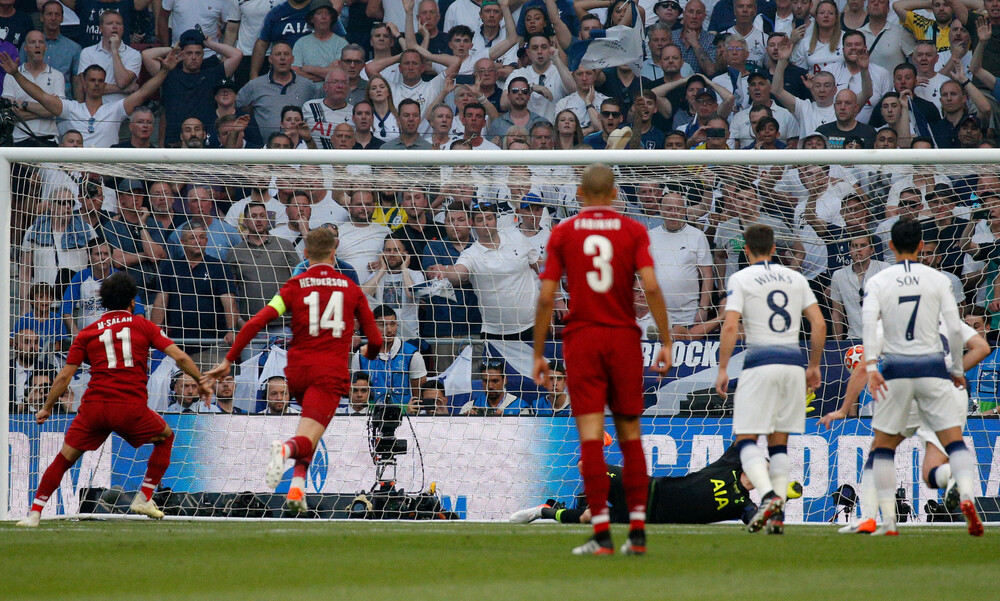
718, 492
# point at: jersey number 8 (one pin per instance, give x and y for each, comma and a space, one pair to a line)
603, 277
333, 315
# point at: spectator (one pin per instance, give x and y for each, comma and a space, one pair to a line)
224, 95
294, 126
266, 95
91, 11
943, 209
810, 114
491, 27
385, 122
954, 109
409, 123
683, 267
922, 179
446, 318
43, 318
744, 25
823, 49
187, 91
420, 228
98, 121
759, 90
894, 43
55, 246
299, 211
695, 43
935, 30
925, 60
734, 77
432, 399
930, 257
260, 262
658, 37
315, 52
182, 17
473, 122
851, 74
795, 76
586, 99
26, 361
406, 82
134, 248
500, 266
360, 240
285, 23
922, 114
140, 125
398, 372
14, 25
323, 114
197, 301
487, 90
184, 396
40, 122
847, 287
276, 395
971, 20
393, 284
981, 379
242, 30
361, 392
225, 389
221, 237
547, 76
909, 206
854, 15
495, 400
845, 107
778, 17
743, 201
352, 61
611, 119
362, 115
192, 133
81, 302
517, 94
569, 132
121, 62
61, 53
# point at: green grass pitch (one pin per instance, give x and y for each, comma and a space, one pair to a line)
389, 561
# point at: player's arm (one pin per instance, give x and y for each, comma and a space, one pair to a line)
59, 386
817, 340
855, 384
274, 309
953, 323
187, 365
543, 320
977, 349
658, 307
870, 312
727, 342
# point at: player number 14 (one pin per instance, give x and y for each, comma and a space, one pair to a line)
125, 335
601, 279
333, 315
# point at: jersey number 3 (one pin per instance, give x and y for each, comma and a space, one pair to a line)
333, 315
125, 335
602, 277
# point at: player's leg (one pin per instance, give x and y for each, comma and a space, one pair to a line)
963, 469
159, 461
634, 479
51, 478
869, 501
883, 455
594, 473
778, 468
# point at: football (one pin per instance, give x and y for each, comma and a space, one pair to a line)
854, 356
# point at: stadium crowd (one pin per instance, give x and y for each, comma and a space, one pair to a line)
446, 264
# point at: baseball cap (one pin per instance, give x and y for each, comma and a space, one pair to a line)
530, 199
668, 3
192, 36
707, 92
971, 119
225, 83
488, 2
757, 75
814, 134
130, 185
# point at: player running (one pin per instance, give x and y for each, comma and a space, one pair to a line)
770, 299
935, 467
600, 252
911, 299
324, 305
117, 348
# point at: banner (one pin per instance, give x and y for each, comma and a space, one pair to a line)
486, 468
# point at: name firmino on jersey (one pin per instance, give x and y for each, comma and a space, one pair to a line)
310, 282
597, 224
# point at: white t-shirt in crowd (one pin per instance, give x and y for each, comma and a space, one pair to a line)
677, 256
360, 246
505, 283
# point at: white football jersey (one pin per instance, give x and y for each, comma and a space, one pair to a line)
912, 299
771, 299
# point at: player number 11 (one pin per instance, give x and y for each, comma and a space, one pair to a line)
125, 335
333, 315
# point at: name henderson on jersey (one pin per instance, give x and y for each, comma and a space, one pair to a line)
311, 282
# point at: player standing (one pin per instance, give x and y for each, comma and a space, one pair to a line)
117, 348
324, 305
912, 298
600, 252
770, 396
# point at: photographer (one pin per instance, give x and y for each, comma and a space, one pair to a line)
399, 370
432, 400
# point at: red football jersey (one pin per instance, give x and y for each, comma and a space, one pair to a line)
600, 251
324, 304
117, 348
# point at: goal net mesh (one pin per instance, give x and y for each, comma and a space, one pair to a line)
209, 245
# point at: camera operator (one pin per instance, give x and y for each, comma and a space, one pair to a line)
399, 370
39, 120
432, 400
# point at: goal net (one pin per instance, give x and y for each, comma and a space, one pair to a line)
447, 246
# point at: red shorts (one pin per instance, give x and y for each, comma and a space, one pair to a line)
318, 390
136, 424
604, 368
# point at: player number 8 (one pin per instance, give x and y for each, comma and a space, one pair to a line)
333, 315
602, 251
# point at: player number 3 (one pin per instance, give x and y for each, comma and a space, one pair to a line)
602, 251
333, 315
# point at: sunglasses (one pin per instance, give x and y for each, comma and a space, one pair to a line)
611, 114
520, 90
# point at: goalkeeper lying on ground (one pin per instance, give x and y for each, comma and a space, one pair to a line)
715, 493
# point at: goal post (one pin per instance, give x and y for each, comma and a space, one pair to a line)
483, 466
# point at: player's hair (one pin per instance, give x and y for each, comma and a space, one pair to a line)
759, 239
906, 235
117, 291
320, 242
597, 180
383, 311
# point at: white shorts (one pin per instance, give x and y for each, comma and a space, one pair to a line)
770, 398
922, 431
932, 398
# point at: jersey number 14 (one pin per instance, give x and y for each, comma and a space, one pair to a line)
332, 317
